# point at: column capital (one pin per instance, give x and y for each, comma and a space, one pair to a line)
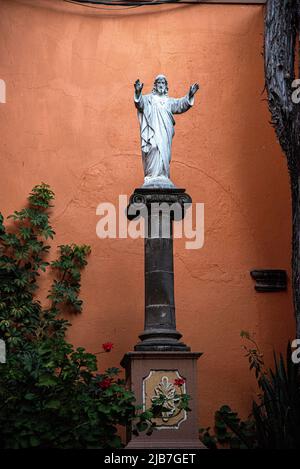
176, 199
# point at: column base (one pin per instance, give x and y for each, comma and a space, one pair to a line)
151, 373
161, 340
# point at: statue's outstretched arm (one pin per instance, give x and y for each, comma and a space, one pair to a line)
180, 105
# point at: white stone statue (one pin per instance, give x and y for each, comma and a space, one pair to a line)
155, 113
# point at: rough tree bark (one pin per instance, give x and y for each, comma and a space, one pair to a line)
281, 29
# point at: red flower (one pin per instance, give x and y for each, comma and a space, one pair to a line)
179, 381
105, 383
107, 346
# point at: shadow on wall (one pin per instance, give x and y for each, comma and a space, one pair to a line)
94, 12
264, 195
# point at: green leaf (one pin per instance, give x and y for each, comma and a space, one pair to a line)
30, 396
34, 441
47, 380
54, 404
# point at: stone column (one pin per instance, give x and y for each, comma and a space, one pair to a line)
159, 207
160, 359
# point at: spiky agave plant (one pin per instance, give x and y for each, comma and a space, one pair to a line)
277, 415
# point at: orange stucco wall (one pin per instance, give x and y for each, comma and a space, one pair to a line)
69, 120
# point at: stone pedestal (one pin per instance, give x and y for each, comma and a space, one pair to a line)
149, 373
160, 357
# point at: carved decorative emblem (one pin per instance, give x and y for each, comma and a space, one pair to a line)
167, 391
160, 386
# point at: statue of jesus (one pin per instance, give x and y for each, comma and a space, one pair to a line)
155, 113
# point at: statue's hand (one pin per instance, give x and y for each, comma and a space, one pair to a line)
138, 87
193, 90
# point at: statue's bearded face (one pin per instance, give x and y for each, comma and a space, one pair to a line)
161, 86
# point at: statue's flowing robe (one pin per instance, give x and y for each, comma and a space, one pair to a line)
156, 119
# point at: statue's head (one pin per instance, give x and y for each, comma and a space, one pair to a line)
160, 85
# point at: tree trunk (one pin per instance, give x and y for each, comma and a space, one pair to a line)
295, 183
281, 27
